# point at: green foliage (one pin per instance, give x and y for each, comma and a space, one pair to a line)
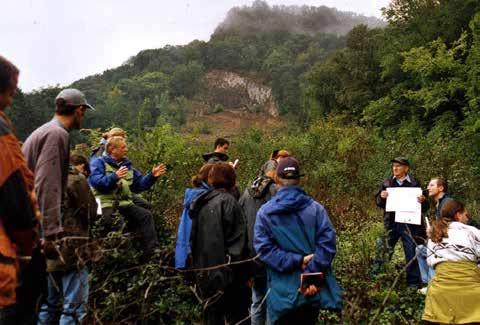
344, 164
409, 89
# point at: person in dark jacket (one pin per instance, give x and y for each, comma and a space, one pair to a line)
437, 192
220, 154
410, 234
272, 163
261, 191
114, 181
218, 237
182, 247
68, 275
294, 235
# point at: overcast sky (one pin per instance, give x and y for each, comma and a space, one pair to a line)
60, 41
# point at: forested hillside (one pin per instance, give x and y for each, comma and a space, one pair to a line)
354, 93
163, 82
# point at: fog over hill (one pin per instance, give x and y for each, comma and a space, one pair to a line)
263, 18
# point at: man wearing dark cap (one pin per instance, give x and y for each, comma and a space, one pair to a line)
47, 153
293, 235
410, 234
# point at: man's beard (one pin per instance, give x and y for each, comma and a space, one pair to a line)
77, 123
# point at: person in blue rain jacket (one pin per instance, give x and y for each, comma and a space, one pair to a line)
182, 247
293, 235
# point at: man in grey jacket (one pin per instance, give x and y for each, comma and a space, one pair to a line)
47, 153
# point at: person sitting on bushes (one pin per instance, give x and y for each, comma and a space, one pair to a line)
100, 149
114, 181
454, 251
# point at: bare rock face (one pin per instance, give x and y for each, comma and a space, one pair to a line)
234, 91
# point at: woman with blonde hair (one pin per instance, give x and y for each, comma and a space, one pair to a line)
100, 149
453, 295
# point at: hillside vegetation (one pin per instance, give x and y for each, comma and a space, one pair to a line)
348, 103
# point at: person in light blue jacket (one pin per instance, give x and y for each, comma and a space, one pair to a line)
293, 235
182, 247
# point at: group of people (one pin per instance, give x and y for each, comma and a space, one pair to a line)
48, 201
247, 254
442, 255
263, 256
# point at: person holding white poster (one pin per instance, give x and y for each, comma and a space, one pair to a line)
400, 196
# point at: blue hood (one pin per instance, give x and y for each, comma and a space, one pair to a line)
182, 247
192, 193
290, 198
288, 227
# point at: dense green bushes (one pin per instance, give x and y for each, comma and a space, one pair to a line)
343, 162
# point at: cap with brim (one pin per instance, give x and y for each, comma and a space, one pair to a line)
401, 160
289, 168
73, 97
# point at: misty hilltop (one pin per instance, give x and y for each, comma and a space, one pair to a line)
263, 18
260, 59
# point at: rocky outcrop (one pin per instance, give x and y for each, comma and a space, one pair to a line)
234, 91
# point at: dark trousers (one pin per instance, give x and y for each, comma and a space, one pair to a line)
305, 315
142, 218
400, 231
231, 308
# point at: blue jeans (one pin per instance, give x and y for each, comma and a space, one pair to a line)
67, 298
426, 271
258, 311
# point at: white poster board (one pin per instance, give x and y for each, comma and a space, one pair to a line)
403, 201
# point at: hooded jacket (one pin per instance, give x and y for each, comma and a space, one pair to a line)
260, 192
182, 247
80, 212
213, 157
218, 236
288, 227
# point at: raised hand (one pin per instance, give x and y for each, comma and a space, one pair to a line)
159, 170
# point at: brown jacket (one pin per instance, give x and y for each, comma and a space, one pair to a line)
18, 210
80, 211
